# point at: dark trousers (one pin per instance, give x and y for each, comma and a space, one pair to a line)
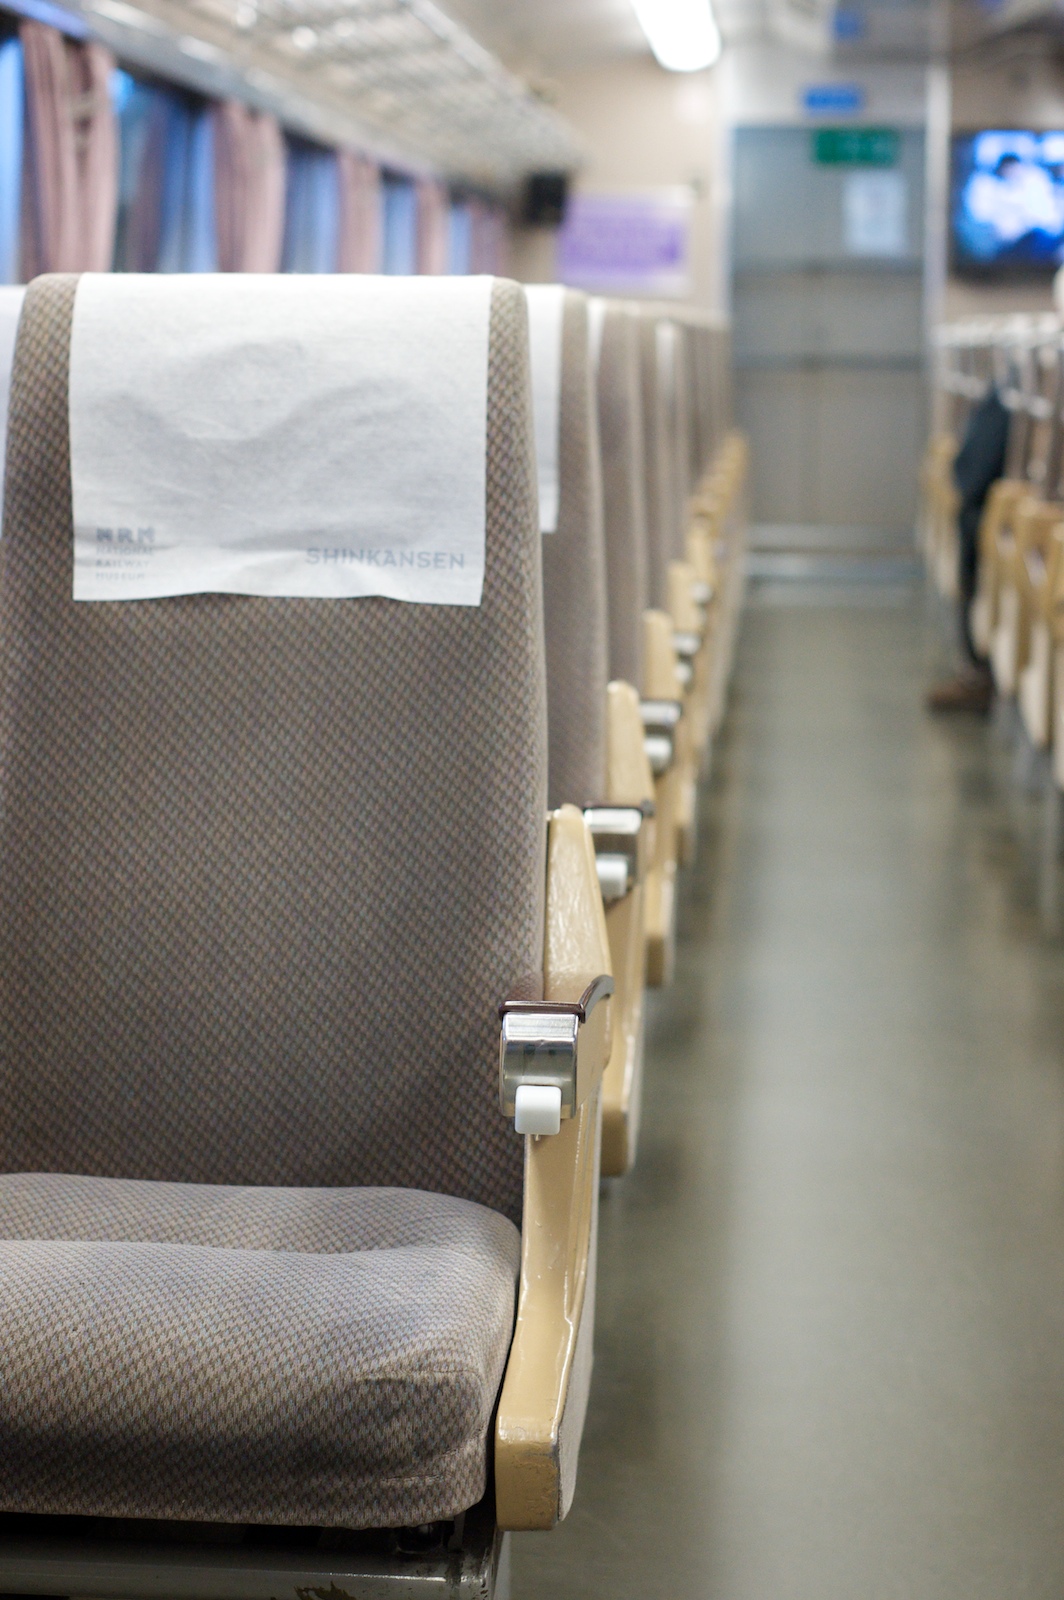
968, 577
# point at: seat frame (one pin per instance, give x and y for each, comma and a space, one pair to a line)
88, 1556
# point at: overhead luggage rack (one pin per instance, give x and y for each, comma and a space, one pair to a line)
397, 78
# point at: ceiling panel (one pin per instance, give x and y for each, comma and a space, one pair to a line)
398, 78
546, 37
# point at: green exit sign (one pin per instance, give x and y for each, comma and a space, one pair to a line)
856, 147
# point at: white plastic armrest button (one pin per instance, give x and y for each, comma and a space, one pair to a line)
614, 875
537, 1108
659, 722
658, 747
617, 834
703, 593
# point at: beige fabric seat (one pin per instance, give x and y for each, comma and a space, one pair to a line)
267, 870
194, 1353
574, 585
659, 461
597, 758
620, 419
661, 670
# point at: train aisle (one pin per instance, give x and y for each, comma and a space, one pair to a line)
830, 1351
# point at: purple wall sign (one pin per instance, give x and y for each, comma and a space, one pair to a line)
627, 243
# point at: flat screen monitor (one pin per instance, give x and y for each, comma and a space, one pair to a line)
1007, 203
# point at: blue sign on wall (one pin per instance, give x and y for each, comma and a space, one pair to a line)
835, 99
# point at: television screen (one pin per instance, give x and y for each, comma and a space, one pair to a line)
1007, 202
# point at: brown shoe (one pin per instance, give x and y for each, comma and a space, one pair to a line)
968, 691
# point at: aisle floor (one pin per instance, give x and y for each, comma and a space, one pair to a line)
830, 1351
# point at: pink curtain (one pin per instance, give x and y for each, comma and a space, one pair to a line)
249, 181
70, 196
432, 219
360, 214
488, 241
97, 133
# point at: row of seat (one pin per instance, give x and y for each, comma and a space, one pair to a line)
1017, 614
362, 644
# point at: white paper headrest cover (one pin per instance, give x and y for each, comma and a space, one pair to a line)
546, 310
279, 435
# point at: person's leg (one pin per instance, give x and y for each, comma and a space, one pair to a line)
968, 579
972, 689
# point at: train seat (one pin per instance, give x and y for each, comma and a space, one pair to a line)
666, 678
1022, 549
10, 310
574, 559
995, 548
1037, 577
620, 425
615, 361
597, 758
266, 976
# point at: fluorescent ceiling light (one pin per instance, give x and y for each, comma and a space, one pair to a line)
683, 34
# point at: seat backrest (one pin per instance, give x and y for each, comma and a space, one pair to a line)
620, 417
658, 458
694, 338
574, 573
10, 310
267, 866
679, 377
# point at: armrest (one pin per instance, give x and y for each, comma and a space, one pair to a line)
544, 1394
700, 553
629, 780
622, 828
1055, 583
687, 617
661, 720
1035, 523
997, 513
548, 1056
660, 681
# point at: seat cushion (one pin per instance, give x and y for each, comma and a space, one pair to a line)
327, 1357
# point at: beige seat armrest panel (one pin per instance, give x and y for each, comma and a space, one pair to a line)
1055, 584
662, 683
544, 1394
688, 624
629, 780
660, 678
683, 607
622, 1083
994, 530
1034, 522
701, 539
630, 783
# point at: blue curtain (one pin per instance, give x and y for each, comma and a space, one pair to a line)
399, 252
166, 180
312, 209
200, 237
10, 158
459, 238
